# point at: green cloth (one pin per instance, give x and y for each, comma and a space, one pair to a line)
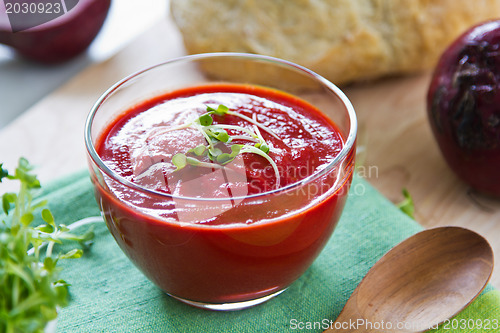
110, 295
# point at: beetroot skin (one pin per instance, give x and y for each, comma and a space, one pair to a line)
63, 38
463, 105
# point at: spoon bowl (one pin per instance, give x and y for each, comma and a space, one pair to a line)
420, 283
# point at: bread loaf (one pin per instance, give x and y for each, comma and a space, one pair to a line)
343, 40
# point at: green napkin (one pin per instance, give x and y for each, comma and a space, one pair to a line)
110, 295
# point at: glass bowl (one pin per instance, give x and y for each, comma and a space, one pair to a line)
234, 264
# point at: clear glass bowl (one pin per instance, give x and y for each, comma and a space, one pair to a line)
236, 265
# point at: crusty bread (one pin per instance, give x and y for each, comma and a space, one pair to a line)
343, 40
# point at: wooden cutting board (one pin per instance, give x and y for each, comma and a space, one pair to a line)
397, 149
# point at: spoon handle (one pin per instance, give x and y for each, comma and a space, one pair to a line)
350, 320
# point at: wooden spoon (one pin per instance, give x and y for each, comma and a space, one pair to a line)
420, 283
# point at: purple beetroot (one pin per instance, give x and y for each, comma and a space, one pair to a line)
59, 39
463, 106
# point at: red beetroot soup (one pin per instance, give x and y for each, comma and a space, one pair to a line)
226, 234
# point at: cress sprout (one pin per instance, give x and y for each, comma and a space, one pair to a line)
215, 133
30, 287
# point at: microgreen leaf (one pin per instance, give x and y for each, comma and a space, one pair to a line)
48, 217
226, 158
215, 152
219, 134
3, 173
221, 109
7, 200
27, 218
73, 254
236, 149
264, 147
198, 150
23, 174
49, 264
179, 160
5, 204
205, 120
47, 228
407, 206
24, 164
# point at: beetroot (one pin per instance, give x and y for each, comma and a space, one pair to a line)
59, 39
463, 104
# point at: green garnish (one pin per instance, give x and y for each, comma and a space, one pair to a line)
200, 150
262, 146
214, 134
221, 110
226, 158
30, 287
179, 160
205, 120
217, 133
407, 206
